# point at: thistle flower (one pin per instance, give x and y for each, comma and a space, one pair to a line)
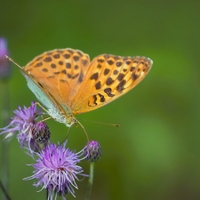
56, 170
22, 123
5, 66
92, 151
40, 136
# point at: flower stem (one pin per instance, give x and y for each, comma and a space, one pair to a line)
5, 145
90, 181
7, 197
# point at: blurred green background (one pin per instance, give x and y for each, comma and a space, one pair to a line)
154, 154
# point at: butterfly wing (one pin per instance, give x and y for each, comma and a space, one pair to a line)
108, 78
59, 72
75, 84
54, 109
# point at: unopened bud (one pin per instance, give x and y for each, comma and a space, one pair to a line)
5, 66
92, 151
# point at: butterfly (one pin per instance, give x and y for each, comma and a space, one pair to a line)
67, 83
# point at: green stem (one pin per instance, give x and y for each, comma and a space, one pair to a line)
90, 181
6, 195
5, 145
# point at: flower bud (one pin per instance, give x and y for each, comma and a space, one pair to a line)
92, 151
41, 133
5, 66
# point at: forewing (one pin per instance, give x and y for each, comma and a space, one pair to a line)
108, 78
46, 99
59, 72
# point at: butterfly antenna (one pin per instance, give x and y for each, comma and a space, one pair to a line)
83, 130
11, 60
104, 123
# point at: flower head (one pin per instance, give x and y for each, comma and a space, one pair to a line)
56, 169
5, 66
23, 122
40, 136
92, 151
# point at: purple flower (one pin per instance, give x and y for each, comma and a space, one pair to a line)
92, 151
56, 169
22, 123
5, 66
40, 136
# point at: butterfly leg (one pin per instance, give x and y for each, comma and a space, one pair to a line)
40, 105
66, 137
83, 130
43, 108
47, 118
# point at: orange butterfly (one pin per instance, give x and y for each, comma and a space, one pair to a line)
67, 83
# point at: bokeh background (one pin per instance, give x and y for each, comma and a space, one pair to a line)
155, 153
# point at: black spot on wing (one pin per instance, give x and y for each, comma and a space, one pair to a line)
108, 92
120, 86
98, 85
94, 76
48, 59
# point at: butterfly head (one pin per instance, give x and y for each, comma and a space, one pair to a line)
70, 120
